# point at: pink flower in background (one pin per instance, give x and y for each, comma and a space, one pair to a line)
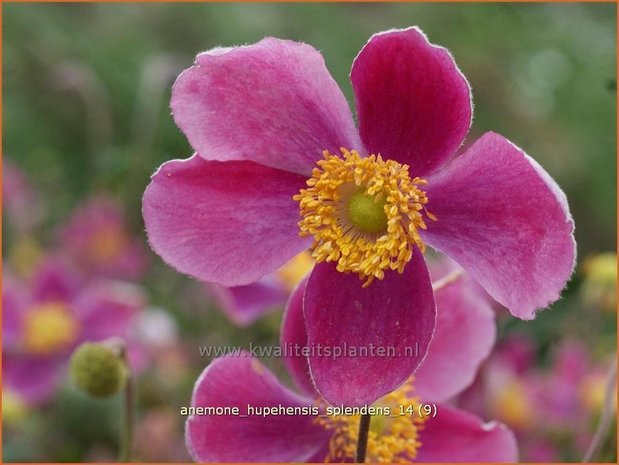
573, 388
96, 236
464, 337
20, 202
158, 437
44, 320
268, 123
243, 305
517, 352
545, 406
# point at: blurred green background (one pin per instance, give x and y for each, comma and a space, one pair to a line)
86, 87
85, 104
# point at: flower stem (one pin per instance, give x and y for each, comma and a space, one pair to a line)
126, 440
447, 280
362, 441
605, 422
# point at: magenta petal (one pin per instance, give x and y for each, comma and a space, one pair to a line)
245, 304
228, 223
240, 381
34, 378
394, 317
107, 308
456, 436
54, 281
273, 103
464, 336
15, 302
506, 221
414, 104
293, 338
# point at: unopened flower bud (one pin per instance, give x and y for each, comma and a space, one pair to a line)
98, 370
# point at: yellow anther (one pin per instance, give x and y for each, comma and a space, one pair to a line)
295, 269
364, 214
391, 439
107, 245
512, 405
49, 328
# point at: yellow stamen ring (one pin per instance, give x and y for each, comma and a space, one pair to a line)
49, 328
392, 438
364, 213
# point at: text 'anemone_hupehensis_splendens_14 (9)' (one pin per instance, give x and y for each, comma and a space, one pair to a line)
279, 167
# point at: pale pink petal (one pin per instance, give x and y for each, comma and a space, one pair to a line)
243, 305
414, 104
392, 321
505, 221
239, 382
224, 222
35, 379
107, 308
456, 436
273, 103
464, 336
293, 339
442, 265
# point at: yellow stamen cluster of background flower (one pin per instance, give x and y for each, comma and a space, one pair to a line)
293, 271
391, 439
336, 239
48, 328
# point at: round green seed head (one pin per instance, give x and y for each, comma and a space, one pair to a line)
98, 370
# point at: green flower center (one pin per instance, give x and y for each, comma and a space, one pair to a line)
367, 212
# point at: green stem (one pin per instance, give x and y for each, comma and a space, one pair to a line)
606, 418
126, 441
362, 441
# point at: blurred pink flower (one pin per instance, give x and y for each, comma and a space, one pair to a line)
243, 305
45, 319
267, 123
97, 238
464, 337
20, 202
158, 437
560, 389
543, 405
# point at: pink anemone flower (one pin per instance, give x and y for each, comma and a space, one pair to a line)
96, 236
280, 167
43, 321
464, 336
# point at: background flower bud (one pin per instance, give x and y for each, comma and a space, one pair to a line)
98, 370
